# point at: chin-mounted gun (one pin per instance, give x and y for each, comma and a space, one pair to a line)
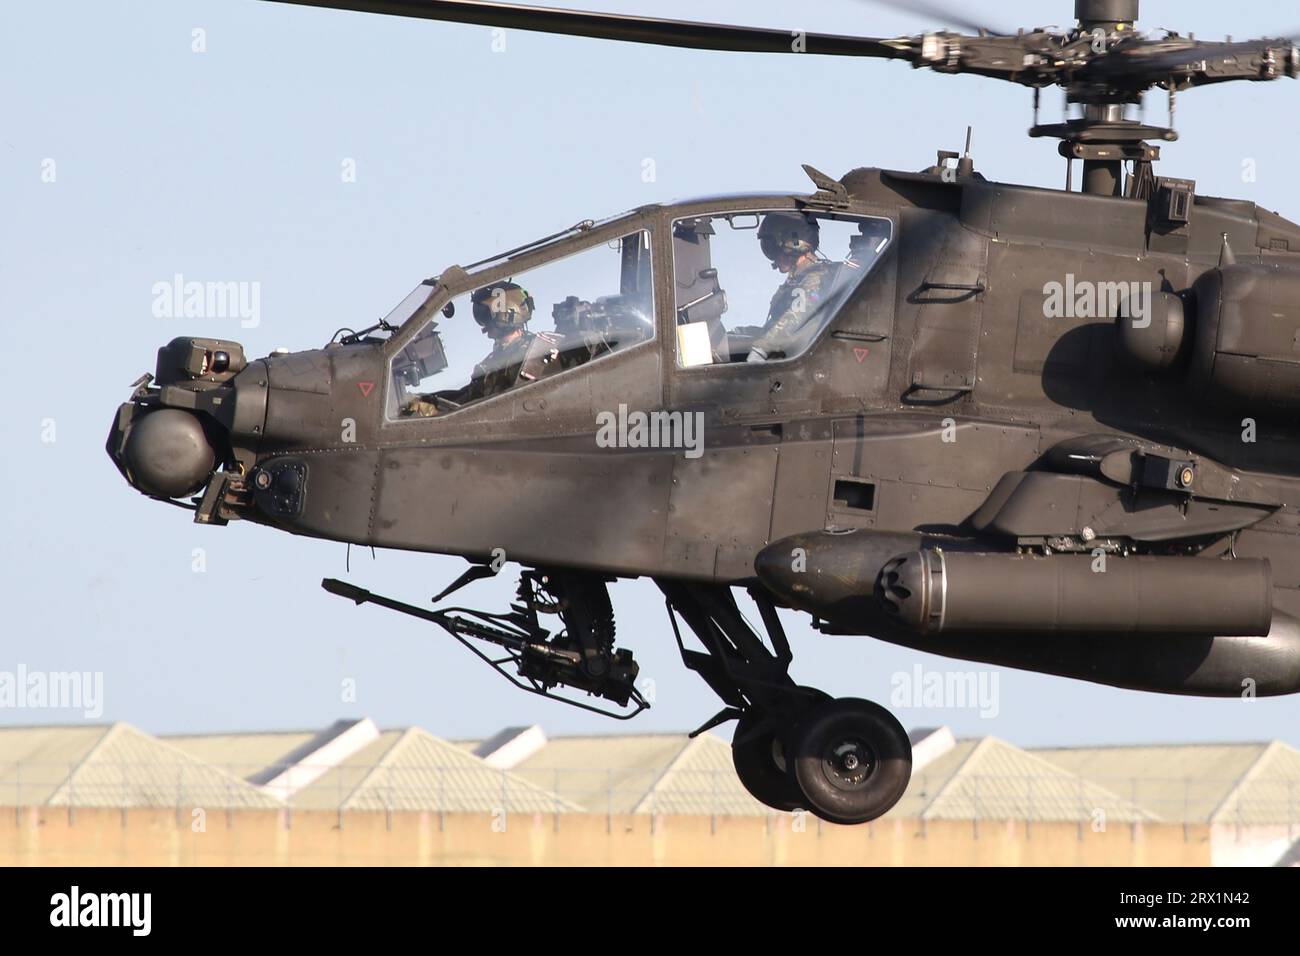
581, 656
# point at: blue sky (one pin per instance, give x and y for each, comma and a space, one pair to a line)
226, 165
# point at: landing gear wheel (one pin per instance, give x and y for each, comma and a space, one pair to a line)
756, 756
851, 760
759, 759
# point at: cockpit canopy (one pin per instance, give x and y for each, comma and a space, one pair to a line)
570, 311
561, 314
723, 265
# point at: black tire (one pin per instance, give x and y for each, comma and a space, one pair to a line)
755, 757
760, 759
850, 759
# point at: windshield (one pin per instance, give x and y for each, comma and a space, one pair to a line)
531, 326
408, 306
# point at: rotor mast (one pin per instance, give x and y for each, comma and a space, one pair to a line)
1113, 16
1103, 138
1102, 174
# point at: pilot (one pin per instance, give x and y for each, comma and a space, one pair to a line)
503, 312
790, 241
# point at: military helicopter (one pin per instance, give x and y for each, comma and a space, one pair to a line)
1047, 429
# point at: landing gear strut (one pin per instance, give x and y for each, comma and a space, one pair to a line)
846, 760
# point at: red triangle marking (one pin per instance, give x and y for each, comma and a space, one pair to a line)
368, 387
861, 353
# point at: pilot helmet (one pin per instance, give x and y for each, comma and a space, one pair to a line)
502, 305
788, 233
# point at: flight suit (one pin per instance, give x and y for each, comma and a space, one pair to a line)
525, 359
793, 304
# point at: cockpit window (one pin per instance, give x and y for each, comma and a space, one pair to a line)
542, 322
723, 267
408, 306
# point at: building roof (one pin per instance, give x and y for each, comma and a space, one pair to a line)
243, 754
113, 766
353, 765
673, 774
414, 770
35, 761
400, 769
1248, 784
700, 779
989, 779
642, 773
120, 766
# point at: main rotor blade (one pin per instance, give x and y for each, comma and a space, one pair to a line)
939, 12
1193, 60
610, 26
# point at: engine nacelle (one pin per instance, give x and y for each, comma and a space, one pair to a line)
1236, 334
931, 591
1057, 614
1247, 338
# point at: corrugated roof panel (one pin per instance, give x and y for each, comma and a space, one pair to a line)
926, 784
1183, 783
127, 768
701, 780
1002, 782
1244, 784
242, 755
610, 774
332, 789
989, 779
36, 761
1268, 793
413, 770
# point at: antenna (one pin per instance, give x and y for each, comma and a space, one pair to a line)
966, 165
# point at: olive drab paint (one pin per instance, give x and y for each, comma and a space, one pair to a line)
1052, 429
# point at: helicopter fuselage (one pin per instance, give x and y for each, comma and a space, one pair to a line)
964, 358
